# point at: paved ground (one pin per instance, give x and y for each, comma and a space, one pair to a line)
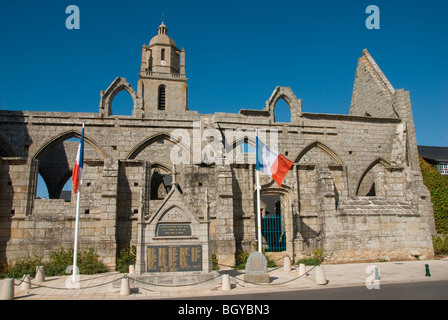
108, 286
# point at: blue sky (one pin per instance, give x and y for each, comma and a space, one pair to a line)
237, 52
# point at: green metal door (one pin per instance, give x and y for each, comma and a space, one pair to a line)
273, 230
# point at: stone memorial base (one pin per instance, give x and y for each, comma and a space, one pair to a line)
257, 278
174, 279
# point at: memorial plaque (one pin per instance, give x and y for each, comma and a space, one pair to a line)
173, 230
175, 258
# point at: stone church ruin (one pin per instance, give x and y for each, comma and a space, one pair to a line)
355, 189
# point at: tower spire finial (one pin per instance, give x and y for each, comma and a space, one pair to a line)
162, 28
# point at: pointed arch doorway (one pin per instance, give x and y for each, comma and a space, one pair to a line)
277, 214
272, 223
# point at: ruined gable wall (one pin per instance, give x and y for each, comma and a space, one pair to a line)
372, 92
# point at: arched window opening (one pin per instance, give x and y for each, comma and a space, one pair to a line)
123, 104
56, 162
42, 189
160, 185
162, 100
162, 55
55, 170
372, 182
66, 192
282, 112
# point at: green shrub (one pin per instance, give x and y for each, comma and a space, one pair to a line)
319, 255
241, 259
440, 244
126, 257
271, 262
308, 262
87, 262
215, 262
437, 185
21, 267
59, 261
317, 259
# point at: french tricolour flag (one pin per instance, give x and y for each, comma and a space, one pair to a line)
79, 163
271, 163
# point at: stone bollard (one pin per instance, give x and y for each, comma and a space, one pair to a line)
320, 275
225, 282
287, 264
125, 288
131, 269
26, 282
131, 273
427, 272
40, 274
302, 269
7, 290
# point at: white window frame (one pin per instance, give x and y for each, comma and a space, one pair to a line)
443, 168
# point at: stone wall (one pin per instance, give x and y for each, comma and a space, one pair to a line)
389, 230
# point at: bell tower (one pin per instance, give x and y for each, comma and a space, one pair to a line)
162, 81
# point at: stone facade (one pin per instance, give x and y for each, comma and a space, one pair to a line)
355, 189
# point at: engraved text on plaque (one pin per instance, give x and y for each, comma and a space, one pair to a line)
174, 258
173, 230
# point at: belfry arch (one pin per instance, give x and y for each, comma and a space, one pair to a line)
282, 111
285, 93
108, 96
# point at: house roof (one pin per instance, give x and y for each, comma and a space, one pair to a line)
437, 154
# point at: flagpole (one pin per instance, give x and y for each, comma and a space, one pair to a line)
259, 211
258, 197
75, 251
